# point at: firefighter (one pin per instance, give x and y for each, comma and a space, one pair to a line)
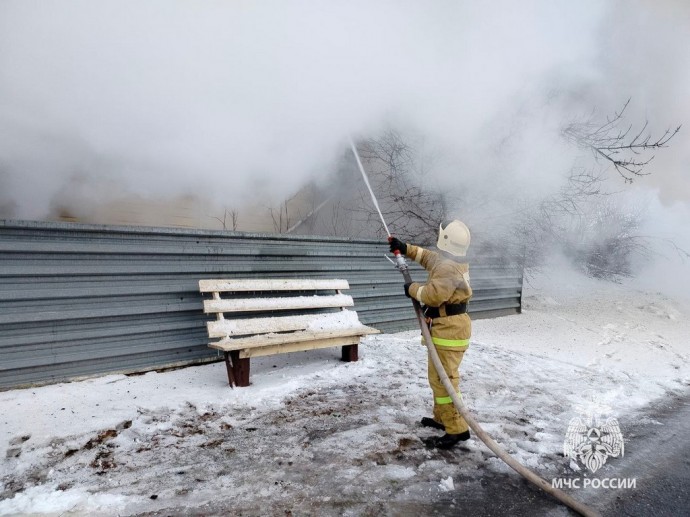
444, 298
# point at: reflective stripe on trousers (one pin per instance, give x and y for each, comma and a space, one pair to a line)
450, 342
446, 400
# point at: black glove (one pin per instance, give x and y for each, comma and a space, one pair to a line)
397, 245
407, 290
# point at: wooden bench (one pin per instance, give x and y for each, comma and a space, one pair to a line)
264, 317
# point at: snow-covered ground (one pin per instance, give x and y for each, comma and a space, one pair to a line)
314, 436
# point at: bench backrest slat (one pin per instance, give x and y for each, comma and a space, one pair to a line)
209, 286
275, 304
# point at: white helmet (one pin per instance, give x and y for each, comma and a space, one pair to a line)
454, 237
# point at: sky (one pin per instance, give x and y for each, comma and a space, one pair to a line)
245, 102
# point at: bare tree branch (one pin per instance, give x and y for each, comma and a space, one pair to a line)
628, 154
234, 215
412, 207
280, 215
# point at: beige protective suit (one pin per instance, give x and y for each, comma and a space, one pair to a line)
448, 283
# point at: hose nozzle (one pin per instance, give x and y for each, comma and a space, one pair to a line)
399, 257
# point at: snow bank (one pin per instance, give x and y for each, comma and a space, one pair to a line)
47, 500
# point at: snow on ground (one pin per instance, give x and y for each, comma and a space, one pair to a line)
315, 436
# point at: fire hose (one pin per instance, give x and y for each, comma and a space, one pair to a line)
533, 478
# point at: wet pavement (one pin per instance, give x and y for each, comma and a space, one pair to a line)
657, 452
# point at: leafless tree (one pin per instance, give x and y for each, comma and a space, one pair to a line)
628, 150
591, 227
316, 201
282, 215
605, 243
337, 220
412, 206
230, 224
583, 217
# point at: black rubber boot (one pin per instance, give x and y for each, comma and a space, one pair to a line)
430, 422
448, 441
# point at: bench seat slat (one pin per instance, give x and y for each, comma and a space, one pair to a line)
323, 321
209, 286
299, 347
272, 304
292, 337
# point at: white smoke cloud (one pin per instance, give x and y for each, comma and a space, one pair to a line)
665, 233
244, 101
234, 100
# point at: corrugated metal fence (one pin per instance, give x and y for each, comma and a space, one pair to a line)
79, 300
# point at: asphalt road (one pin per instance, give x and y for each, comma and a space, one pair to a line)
657, 453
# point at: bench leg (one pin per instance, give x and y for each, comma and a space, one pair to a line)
240, 369
228, 367
350, 353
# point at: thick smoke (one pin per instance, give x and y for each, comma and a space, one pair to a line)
244, 102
